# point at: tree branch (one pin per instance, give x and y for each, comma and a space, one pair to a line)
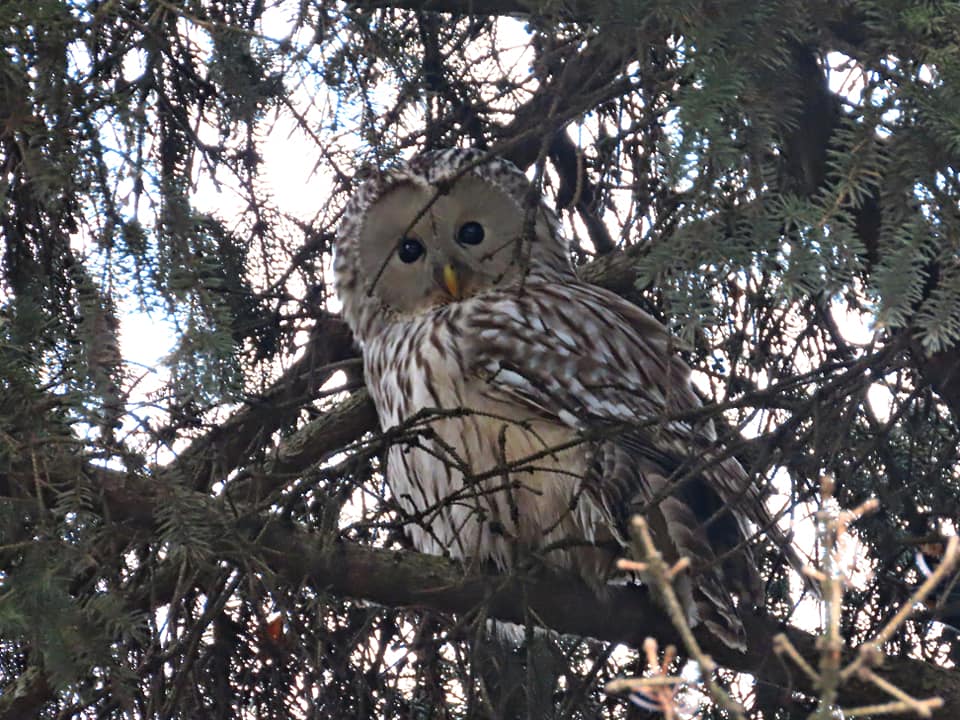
213, 456
407, 579
24, 697
624, 614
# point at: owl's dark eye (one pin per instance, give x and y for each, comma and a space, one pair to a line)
470, 233
410, 249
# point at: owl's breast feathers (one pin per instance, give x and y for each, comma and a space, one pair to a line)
562, 410
484, 476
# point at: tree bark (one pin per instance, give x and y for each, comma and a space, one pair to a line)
623, 615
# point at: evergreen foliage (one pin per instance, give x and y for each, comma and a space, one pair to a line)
777, 180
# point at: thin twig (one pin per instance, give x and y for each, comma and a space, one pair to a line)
893, 708
662, 575
870, 650
783, 646
831, 527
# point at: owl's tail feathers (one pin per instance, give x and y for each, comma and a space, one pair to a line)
705, 594
715, 610
707, 601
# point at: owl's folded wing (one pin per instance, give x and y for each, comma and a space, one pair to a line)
588, 359
583, 357
593, 361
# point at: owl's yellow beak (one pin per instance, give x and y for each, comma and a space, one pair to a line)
451, 281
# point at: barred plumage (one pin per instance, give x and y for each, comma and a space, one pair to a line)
558, 403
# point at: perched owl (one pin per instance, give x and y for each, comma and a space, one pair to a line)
552, 410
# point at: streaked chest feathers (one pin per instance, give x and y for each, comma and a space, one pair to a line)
484, 477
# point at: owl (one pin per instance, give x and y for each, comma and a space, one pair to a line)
544, 411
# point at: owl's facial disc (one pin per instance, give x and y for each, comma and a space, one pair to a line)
419, 250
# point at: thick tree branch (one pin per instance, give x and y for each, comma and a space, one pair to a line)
625, 614
329, 433
212, 457
24, 697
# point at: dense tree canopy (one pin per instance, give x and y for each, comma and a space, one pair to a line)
193, 522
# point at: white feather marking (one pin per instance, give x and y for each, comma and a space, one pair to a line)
623, 412
565, 337
569, 418
511, 310
512, 378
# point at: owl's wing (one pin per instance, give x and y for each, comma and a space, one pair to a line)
591, 360
586, 358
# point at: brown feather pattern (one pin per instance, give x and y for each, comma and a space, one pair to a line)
560, 414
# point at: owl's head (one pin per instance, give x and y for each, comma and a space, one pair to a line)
444, 227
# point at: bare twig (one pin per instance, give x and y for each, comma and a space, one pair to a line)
831, 675
657, 692
871, 650
661, 576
